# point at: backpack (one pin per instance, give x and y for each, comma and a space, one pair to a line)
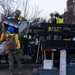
10, 42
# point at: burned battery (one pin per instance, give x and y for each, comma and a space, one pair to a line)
18, 25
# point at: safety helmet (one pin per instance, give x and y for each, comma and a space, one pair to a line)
51, 14
56, 13
17, 12
10, 29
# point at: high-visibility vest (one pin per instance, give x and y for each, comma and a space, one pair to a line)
59, 21
16, 38
29, 36
49, 28
19, 18
25, 36
17, 42
49, 21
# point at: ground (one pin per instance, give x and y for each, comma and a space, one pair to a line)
26, 70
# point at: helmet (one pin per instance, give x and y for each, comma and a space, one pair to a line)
18, 12
56, 13
51, 14
10, 29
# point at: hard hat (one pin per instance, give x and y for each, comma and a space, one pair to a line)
56, 13
51, 14
10, 29
18, 12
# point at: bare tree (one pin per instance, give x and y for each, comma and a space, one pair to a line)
33, 12
7, 6
69, 15
25, 6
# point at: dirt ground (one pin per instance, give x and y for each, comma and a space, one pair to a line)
26, 70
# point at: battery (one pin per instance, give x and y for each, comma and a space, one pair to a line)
18, 25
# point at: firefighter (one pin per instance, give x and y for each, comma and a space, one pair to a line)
14, 53
51, 21
58, 20
17, 15
51, 28
26, 39
51, 18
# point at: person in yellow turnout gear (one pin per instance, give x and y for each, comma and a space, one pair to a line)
13, 51
17, 15
58, 20
51, 20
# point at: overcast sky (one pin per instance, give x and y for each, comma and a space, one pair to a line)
50, 6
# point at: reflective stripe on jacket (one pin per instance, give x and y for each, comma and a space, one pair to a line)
17, 41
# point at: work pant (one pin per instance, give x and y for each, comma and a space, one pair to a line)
17, 55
